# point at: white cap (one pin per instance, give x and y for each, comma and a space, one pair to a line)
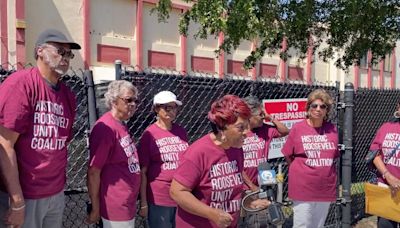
165, 97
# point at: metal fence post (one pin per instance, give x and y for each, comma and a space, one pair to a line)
347, 156
118, 69
91, 97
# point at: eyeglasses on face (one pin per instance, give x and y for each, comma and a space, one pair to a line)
63, 52
128, 100
321, 106
168, 108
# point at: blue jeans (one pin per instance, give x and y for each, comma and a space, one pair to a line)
161, 216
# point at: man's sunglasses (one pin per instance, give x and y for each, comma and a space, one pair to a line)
63, 52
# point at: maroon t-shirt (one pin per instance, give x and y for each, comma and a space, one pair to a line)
160, 151
256, 148
113, 151
386, 140
43, 116
312, 173
215, 177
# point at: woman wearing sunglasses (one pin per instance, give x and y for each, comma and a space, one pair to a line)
311, 150
160, 150
114, 170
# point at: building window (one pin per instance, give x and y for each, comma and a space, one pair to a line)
203, 64
295, 73
160, 59
387, 63
236, 67
364, 61
387, 66
268, 70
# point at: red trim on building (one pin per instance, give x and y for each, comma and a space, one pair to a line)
381, 78
254, 69
183, 54
86, 34
221, 58
356, 76
283, 64
20, 9
108, 54
393, 74
309, 60
268, 70
202, 64
139, 34
4, 33
236, 67
20, 33
161, 59
20, 46
295, 73
369, 74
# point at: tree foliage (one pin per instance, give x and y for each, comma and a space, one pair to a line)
340, 29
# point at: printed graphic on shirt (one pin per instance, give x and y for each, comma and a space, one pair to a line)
169, 148
224, 178
251, 147
388, 145
313, 145
130, 150
48, 118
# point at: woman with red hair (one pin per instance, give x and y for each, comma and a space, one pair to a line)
208, 184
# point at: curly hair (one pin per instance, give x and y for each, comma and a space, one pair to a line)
114, 91
254, 103
322, 95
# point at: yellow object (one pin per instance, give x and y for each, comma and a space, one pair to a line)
20, 24
280, 178
381, 202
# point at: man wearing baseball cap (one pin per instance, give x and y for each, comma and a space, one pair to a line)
36, 116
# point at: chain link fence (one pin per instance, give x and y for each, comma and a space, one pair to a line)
197, 93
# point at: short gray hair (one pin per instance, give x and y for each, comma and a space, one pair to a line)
114, 91
253, 102
35, 55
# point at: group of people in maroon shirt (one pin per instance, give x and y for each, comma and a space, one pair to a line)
179, 185
202, 184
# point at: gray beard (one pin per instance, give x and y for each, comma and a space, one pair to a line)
53, 64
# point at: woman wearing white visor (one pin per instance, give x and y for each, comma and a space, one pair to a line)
160, 150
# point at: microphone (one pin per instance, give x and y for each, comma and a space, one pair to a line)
266, 181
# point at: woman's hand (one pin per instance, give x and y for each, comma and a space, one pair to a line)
144, 210
259, 204
394, 182
93, 217
221, 218
15, 218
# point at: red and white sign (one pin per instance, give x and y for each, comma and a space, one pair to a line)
287, 111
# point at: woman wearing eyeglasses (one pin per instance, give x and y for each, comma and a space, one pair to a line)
160, 150
311, 151
208, 184
114, 171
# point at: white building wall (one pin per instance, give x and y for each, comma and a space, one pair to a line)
66, 16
